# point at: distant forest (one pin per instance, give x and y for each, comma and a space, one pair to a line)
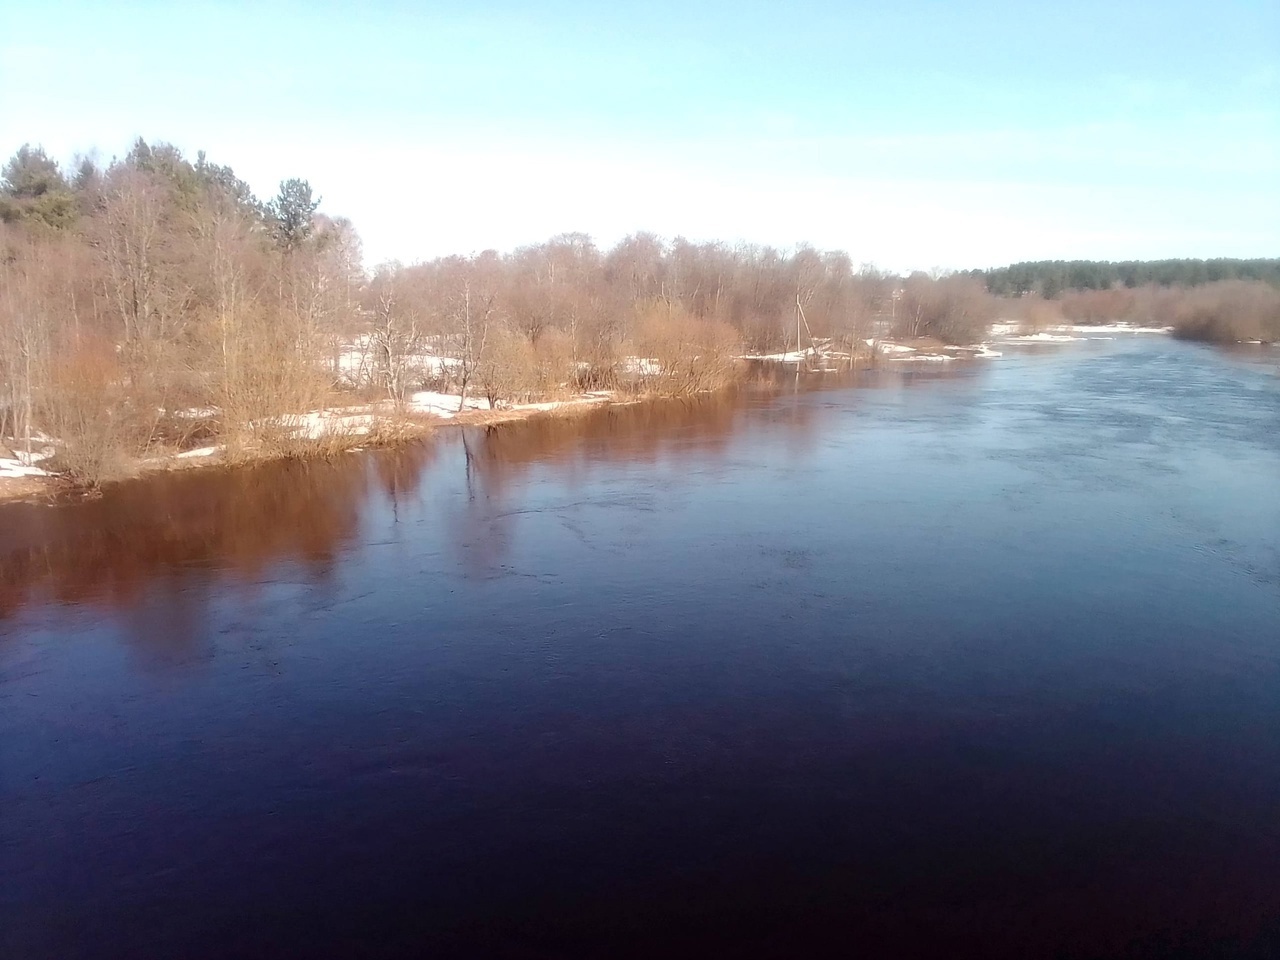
1050, 278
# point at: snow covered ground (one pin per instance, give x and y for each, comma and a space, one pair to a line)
446, 405
324, 423
23, 465
358, 363
11, 468
641, 366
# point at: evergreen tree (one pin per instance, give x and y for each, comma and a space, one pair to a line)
34, 189
291, 214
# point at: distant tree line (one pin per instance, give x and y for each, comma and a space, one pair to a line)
1220, 301
1051, 278
154, 302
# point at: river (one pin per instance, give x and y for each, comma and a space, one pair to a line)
972, 661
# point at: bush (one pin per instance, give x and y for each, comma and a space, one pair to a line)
680, 353
955, 309
102, 427
1229, 312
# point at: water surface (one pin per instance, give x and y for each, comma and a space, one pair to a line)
977, 661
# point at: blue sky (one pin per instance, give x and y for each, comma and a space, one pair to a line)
911, 135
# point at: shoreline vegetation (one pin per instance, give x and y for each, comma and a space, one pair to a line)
155, 315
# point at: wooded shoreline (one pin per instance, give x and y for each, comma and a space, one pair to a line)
153, 308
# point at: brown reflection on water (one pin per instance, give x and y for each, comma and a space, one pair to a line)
168, 533
638, 433
497, 459
171, 530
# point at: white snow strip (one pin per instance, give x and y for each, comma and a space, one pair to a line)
1113, 328
1043, 338
197, 453
791, 357
11, 467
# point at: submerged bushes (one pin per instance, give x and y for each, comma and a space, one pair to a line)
1230, 312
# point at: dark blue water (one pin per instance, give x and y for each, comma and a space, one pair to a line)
975, 662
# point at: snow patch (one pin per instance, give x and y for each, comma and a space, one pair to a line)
12, 467
642, 366
197, 453
1062, 333
359, 363
1113, 328
793, 356
1043, 338
443, 404
326, 423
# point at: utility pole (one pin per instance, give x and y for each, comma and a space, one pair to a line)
797, 327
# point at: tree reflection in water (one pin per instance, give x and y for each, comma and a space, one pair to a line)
179, 538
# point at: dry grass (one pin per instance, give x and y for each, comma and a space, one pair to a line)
568, 408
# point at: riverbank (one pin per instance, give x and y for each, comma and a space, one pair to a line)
317, 434
349, 427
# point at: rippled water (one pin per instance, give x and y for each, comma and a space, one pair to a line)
974, 662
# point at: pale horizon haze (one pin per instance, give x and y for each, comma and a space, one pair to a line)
917, 135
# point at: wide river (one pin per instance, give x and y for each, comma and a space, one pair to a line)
978, 661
